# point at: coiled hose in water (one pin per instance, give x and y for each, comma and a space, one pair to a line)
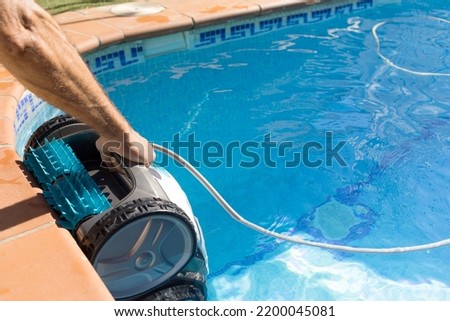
294, 239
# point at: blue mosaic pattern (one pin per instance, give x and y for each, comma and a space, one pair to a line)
116, 57
32, 112
120, 56
27, 105
254, 28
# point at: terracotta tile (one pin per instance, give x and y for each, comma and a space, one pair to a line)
96, 13
5, 75
212, 11
12, 89
82, 42
272, 5
22, 207
167, 21
69, 17
105, 12
7, 136
8, 107
47, 265
9, 86
6, 86
104, 33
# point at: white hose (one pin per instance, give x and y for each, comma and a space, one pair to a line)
295, 239
387, 61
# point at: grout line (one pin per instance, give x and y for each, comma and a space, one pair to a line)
123, 38
6, 145
6, 117
26, 233
10, 96
81, 33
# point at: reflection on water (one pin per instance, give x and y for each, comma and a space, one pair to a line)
377, 80
310, 274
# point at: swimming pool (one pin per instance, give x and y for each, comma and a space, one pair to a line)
257, 114
371, 84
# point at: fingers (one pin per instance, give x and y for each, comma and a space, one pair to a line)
138, 149
107, 149
133, 148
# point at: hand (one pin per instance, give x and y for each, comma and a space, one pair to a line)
133, 147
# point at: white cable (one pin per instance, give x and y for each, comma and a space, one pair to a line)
390, 63
401, 249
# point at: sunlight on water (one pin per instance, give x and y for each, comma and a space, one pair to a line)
375, 79
311, 274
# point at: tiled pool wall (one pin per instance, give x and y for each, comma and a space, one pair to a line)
31, 111
40, 261
135, 52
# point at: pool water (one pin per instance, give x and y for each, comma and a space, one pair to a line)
371, 87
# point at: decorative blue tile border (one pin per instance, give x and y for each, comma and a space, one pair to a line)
26, 107
256, 26
32, 112
130, 53
116, 57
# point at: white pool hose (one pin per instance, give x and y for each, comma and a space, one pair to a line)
388, 62
295, 239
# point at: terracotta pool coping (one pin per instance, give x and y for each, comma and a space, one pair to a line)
38, 260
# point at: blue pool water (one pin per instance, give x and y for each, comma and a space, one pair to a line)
379, 82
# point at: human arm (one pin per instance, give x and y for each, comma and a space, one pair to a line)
35, 50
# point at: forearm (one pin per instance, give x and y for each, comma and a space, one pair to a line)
34, 49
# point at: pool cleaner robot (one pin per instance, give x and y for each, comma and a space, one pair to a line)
135, 224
